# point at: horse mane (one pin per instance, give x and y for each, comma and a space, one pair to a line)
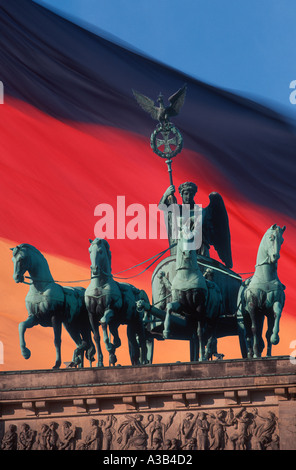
31, 247
27, 245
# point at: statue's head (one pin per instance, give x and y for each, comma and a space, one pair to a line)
187, 191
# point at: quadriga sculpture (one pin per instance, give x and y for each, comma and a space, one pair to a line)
51, 305
263, 295
112, 304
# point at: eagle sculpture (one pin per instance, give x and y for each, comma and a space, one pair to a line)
160, 112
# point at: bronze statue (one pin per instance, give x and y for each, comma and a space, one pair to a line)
194, 297
112, 304
215, 224
50, 304
162, 113
263, 295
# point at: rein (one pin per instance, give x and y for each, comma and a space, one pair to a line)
157, 256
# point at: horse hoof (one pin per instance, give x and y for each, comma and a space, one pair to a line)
26, 353
275, 339
57, 365
117, 343
112, 360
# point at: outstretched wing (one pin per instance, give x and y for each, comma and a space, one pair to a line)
216, 227
147, 104
177, 101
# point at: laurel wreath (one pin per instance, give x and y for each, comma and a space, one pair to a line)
159, 129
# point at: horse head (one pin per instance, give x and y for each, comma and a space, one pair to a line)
186, 252
269, 250
100, 257
21, 262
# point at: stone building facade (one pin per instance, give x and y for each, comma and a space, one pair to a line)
214, 405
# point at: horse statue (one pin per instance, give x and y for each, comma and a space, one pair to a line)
112, 304
263, 295
195, 298
51, 305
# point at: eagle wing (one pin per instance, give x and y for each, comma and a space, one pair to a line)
177, 101
147, 104
216, 226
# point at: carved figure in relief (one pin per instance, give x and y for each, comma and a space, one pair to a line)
43, 437
186, 429
107, 427
26, 437
238, 432
263, 432
202, 428
225, 429
217, 430
53, 440
158, 429
9, 441
133, 435
191, 444
93, 440
67, 440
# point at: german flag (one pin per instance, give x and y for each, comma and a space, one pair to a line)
72, 136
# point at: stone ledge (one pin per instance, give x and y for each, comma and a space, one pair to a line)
168, 392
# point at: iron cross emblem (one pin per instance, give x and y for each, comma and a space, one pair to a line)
166, 141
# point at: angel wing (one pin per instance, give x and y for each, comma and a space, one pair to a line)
216, 227
177, 101
147, 104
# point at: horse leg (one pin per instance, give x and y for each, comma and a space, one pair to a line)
111, 347
254, 332
113, 328
248, 334
142, 342
57, 330
260, 322
134, 349
243, 326
252, 309
277, 309
172, 306
85, 334
108, 320
28, 323
193, 348
200, 334
209, 345
94, 323
270, 325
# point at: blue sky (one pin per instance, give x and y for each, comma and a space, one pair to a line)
246, 46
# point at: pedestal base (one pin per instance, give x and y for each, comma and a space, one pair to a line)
233, 404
